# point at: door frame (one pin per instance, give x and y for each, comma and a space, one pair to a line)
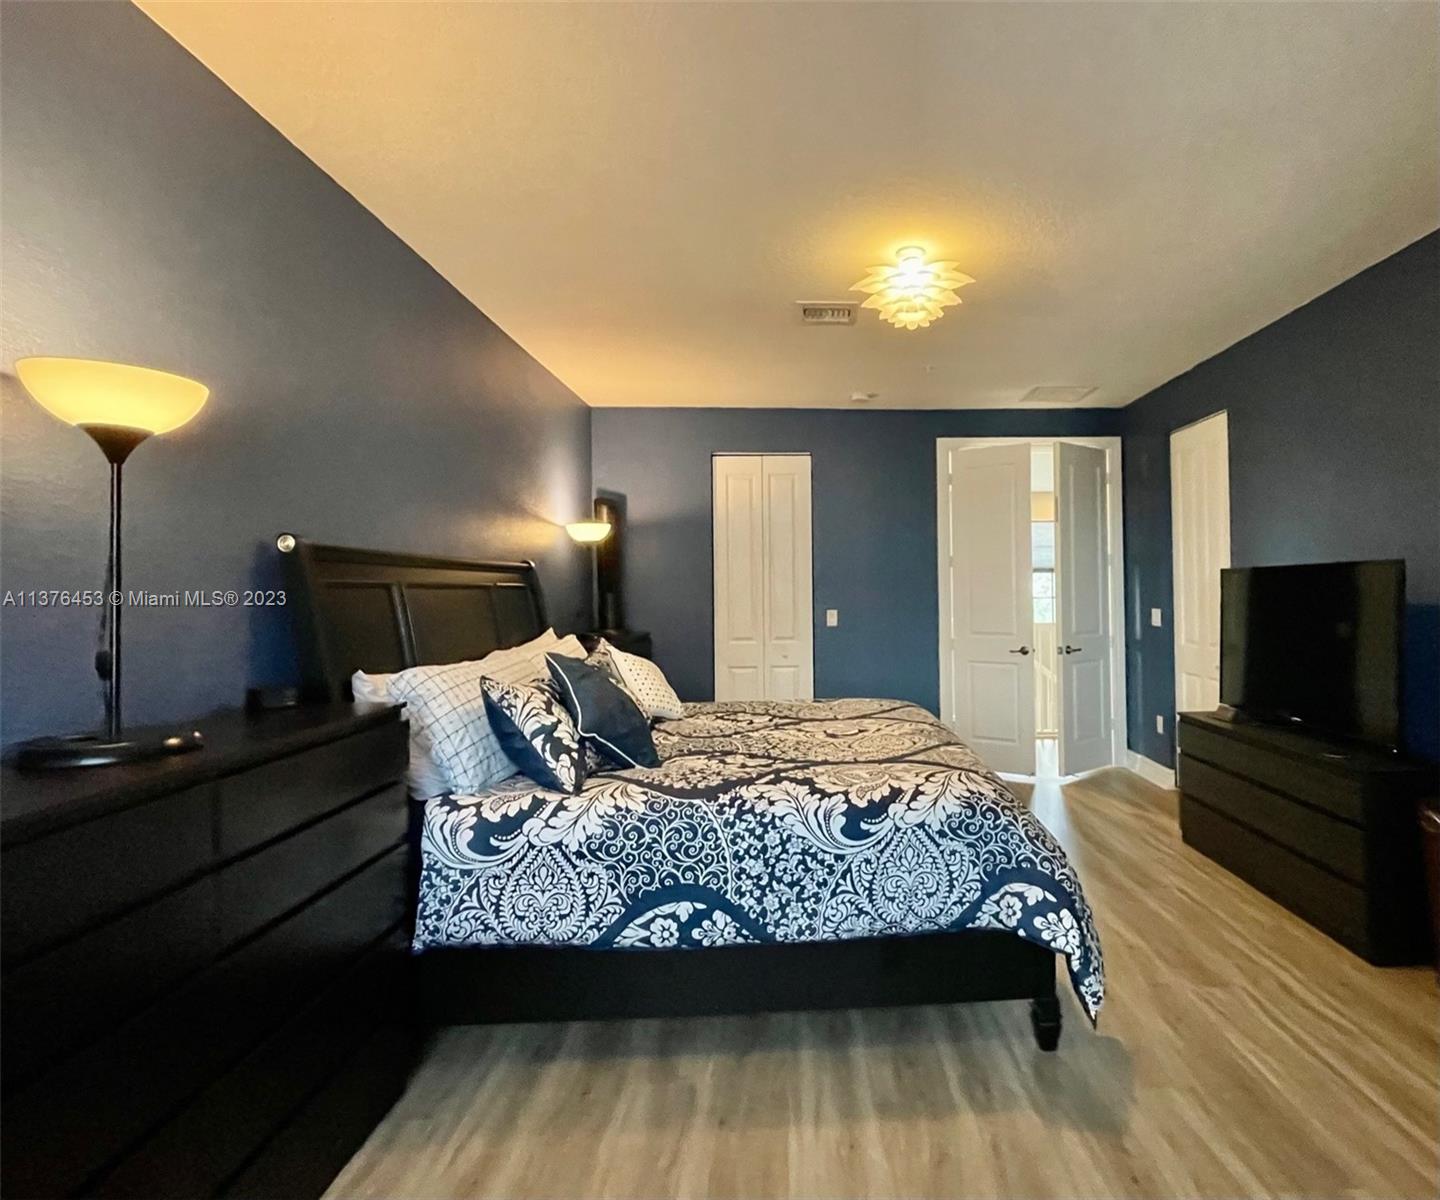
1115, 519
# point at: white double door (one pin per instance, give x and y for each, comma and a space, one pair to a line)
989, 631
764, 622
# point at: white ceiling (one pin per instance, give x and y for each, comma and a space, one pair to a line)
638, 193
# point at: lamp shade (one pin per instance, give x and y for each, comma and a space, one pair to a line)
81, 391
588, 532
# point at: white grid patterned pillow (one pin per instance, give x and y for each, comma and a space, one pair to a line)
646, 683
448, 724
423, 776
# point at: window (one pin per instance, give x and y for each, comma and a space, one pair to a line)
1042, 576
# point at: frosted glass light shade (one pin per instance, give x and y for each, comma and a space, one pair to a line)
588, 532
82, 391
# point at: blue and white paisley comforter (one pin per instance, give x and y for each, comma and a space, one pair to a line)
765, 822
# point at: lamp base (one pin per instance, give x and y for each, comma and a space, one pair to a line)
97, 750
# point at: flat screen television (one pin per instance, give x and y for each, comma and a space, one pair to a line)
1317, 646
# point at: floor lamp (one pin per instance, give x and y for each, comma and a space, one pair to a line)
119, 406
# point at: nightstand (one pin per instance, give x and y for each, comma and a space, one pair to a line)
206, 970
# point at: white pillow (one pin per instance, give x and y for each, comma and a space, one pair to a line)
446, 709
539, 645
423, 777
569, 646
452, 747
375, 689
647, 683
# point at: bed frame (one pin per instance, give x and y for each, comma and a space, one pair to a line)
379, 611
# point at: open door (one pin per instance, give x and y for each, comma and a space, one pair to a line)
991, 616
1083, 633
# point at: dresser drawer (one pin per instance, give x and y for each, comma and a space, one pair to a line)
260, 888
1314, 835
79, 1115
60, 885
1329, 790
306, 1155
86, 986
258, 805
1330, 904
197, 1151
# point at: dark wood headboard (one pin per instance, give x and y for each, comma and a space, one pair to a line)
373, 610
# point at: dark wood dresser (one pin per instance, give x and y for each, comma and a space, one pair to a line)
206, 978
1328, 830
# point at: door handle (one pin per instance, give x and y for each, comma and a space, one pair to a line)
1021, 650
1069, 649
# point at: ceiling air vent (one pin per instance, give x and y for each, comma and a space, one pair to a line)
1056, 397
826, 312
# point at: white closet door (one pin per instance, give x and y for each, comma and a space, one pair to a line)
739, 527
789, 616
1083, 609
764, 636
992, 613
1200, 532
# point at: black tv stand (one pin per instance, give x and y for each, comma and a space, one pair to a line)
1328, 829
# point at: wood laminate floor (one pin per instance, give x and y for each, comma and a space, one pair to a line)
1240, 1053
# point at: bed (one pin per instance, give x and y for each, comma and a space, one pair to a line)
783, 855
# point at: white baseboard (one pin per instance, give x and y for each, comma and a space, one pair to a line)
1150, 771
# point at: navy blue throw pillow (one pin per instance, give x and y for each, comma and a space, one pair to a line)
534, 729
604, 715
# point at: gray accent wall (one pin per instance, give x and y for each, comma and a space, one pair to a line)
1334, 416
873, 529
150, 216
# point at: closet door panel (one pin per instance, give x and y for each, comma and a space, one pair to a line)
789, 645
739, 540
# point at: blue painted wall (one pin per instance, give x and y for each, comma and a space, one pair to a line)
1334, 415
873, 487
150, 216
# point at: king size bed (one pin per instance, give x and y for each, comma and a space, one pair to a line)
781, 855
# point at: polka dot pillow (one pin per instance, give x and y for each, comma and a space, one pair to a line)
646, 683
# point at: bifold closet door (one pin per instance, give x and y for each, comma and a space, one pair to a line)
1200, 533
764, 637
789, 617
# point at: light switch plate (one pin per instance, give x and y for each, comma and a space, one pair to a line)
832, 617
1159, 723
1155, 618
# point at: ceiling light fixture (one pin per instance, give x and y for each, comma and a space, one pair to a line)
910, 292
